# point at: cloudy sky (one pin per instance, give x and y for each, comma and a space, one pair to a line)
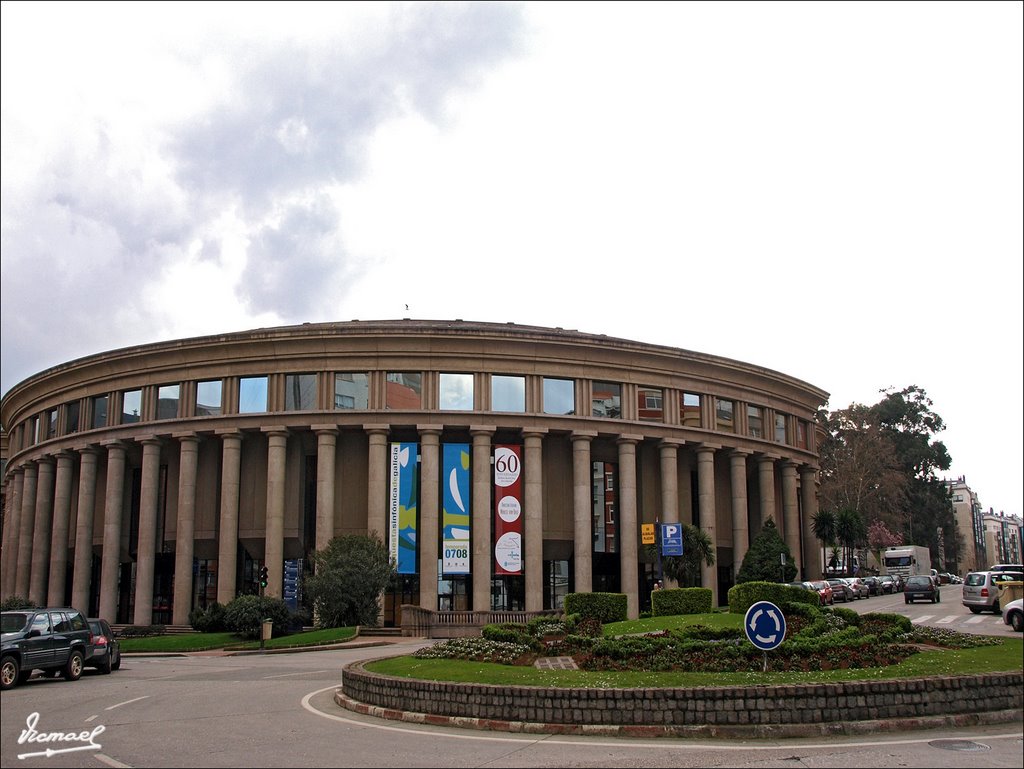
830, 190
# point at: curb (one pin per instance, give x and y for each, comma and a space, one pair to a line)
246, 652
754, 731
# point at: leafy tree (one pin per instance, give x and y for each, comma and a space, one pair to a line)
882, 462
824, 526
762, 563
879, 538
245, 615
685, 569
349, 576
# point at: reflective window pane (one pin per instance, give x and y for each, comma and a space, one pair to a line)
351, 391
650, 405
606, 400
252, 395
51, 423
71, 417
209, 398
299, 392
167, 401
605, 507
559, 396
801, 434
723, 415
755, 422
690, 409
131, 406
99, 411
780, 428
508, 393
404, 390
456, 392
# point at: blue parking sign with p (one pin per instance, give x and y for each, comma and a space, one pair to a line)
671, 539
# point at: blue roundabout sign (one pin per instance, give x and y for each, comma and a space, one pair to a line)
765, 625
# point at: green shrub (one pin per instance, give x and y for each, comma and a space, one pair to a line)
208, 620
245, 615
14, 602
681, 600
142, 631
745, 594
605, 607
507, 632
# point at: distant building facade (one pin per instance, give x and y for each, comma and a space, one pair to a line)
503, 465
970, 528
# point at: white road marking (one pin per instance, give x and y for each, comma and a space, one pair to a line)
300, 673
946, 620
112, 762
128, 702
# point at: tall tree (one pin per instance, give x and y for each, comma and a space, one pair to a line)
906, 418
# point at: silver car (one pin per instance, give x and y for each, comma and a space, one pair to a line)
981, 589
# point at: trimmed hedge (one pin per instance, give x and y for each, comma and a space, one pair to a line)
606, 607
681, 600
746, 594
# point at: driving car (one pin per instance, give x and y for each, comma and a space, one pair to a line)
981, 589
105, 650
921, 586
54, 640
1014, 615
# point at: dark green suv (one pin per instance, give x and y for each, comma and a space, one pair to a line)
54, 640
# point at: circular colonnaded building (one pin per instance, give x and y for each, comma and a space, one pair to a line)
503, 465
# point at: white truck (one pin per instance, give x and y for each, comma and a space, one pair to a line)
907, 560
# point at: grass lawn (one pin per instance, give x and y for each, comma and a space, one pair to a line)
193, 642
1007, 656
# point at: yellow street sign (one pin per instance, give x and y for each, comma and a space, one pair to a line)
647, 533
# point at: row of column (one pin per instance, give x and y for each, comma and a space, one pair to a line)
36, 528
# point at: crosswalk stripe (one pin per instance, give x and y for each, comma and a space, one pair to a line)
946, 620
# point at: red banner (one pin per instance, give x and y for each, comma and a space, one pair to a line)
508, 510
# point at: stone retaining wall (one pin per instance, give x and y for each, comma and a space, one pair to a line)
709, 710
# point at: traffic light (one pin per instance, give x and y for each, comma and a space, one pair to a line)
264, 576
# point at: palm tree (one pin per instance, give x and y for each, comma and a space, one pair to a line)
685, 569
850, 531
824, 526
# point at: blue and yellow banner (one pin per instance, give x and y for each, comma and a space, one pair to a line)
455, 509
402, 506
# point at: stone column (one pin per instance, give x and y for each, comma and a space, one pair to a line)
227, 551
766, 484
12, 533
113, 508
533, 518
185, 528
326, 450
581, 511
59, 535
145, 560
41, 533
377, 477
791, 513
628, 557
706, 508
28, 520
277, 443
669, 455
740, 530
809, 498
430, 438
481, 528
81, 581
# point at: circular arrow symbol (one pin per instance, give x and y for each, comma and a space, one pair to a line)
765, 625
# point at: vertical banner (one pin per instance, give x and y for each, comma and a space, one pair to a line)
402, 507
455, 509
508, 511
